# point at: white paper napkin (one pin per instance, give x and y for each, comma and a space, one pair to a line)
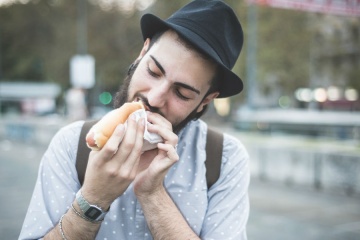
150, 139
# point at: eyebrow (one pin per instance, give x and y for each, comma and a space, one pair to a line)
177, 83
158, 65
187, 87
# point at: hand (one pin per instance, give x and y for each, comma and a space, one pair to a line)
111, 170
150, 180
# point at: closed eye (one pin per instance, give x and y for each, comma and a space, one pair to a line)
180, 95
153, 74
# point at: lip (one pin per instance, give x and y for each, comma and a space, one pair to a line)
147, 108
138, 99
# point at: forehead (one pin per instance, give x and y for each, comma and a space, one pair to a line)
181, 60
192, 48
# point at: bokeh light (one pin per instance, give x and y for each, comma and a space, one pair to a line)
320, 95
303, 94
222, 106
334, 93
284, 102
351, 94
105, 98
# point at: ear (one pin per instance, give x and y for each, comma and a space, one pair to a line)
144, 49
207, 100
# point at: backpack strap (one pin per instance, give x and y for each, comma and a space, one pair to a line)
214, 147
83, 152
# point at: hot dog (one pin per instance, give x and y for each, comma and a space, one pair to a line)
102, 130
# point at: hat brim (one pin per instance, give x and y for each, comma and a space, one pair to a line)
230, 85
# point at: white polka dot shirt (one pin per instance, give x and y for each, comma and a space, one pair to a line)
219, 213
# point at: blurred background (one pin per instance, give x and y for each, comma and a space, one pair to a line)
298, 116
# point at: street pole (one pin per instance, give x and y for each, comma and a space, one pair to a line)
0, 57
251, 66
0, 73
82, 27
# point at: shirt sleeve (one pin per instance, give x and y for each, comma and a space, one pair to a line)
56, 184
228, 201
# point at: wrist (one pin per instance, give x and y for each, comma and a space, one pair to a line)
157, 195
89, 211
94, 199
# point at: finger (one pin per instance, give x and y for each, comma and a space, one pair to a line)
170, 151
112, 144
161, 126
166, 158
157, 119
168, 135
131, 141
130, 134
133, 157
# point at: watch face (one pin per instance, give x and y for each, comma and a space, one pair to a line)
93, 213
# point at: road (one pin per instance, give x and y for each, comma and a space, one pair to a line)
293, 213
277, 211
18, 172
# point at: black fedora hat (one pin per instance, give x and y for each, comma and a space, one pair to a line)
212, 27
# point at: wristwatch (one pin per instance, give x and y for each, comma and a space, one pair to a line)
91, 212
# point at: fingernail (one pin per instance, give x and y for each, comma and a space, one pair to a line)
121, 127
133, 117
120, 130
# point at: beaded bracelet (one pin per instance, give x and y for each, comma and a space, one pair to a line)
82, 216
61, 229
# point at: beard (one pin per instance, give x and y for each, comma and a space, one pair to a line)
122, 96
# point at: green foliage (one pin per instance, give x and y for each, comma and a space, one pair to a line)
38, 39
283, 49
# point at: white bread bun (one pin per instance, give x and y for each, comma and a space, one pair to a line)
100, 133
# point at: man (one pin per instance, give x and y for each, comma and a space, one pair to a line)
184, 64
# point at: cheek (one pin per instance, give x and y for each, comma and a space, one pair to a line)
179, 111
137, 84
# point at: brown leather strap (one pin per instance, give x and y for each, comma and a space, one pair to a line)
83, 152
214, 147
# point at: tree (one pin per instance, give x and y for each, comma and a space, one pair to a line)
38, 40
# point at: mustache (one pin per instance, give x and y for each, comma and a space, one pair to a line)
147, 104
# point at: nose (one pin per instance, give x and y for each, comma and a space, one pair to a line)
158, 94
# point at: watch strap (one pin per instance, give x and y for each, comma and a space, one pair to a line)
88, 209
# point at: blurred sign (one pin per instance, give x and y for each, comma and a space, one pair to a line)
82, 71
341, 7
15, 91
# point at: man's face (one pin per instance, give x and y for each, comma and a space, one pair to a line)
171, 79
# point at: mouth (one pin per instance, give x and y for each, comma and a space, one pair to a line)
144, 103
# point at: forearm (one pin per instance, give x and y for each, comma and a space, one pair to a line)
164, 219
73, 227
